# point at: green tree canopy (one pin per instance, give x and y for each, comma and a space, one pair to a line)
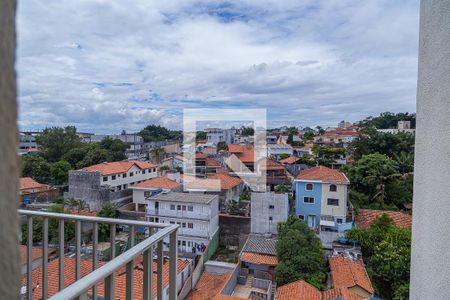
247, 131
387, 252
300, 254
388, 120
107, 211
36, 167
222, 146
308, 135
57, 141
115, 147
60, 172
154, 133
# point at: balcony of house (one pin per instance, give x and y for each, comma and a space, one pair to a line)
248, 286
178, 214
132, 211
137, 269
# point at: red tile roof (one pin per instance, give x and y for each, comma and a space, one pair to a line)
271, 165
259, 259
118, 167
366, 217
290, 160
212, 163
323, 173
208, 286
298, 290
86, 268
341, 293
159, 183
227, 182
28, 183
348, 272
36, 252
245, 153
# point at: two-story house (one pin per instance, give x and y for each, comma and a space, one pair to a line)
321, 197
196, 214
108, 182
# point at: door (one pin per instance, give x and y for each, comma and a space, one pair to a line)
156, 207
312, 221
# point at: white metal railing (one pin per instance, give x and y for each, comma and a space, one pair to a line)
82, 286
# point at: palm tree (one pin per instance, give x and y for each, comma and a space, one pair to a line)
404, 162
157, 154
384, 175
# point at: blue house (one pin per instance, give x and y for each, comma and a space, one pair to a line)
321, 196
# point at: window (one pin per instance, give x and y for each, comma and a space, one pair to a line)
183, 225
331, 201
143, 171
178, 207
301, 217
333, 188
147, 194
309, 200
190, 208
184, 244
131, 174
339, 220
172, 222
124, 186
172, 206
190, 225
183, 207
179, 244
309, 186
124, 175
270, 218
271, 206
113, 177
105, 178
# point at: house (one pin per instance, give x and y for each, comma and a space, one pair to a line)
294, 164
228, 188
258, 257
366, 217
402, 126
275, 173
271, 139
267, 210
283, 139
184, 270
306, 149
197, 215
276, 150
135, 142
245, 154
108, 182
349, 272
243, 139
339, 137
31, 191
301, 290
321, 196
27, 143
36, 257
217, 135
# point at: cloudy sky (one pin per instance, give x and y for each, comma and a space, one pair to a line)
106, 65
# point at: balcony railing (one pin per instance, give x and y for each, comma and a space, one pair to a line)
88, 285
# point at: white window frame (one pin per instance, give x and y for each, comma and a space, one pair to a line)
306, 187
314, 200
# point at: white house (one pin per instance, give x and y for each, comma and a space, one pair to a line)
216, 135
275, 150
267, 210
196, 214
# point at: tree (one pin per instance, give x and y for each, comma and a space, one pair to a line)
320, 130
290, 139
404, 162
284, 155
76, 155
57, 141
35, 167
157, 154
292, 130
200, 136
94, 156
115, 147
155, 133
60, 171
308, 159
247, 131
387, 252
388, 120
222, 146
327, 155
107, 211
300, 254
308, 135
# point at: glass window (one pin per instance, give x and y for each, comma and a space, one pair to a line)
339, 220
308, 200
334, 202
172, 222
271, 206
309, 186
147, 194
190, 225
113, 177
172, 206
183, 225
105, 178
301, 217
184, 244
333, 188
270, 218
190, 208
131, 174
178, 207
124, 175
183, 207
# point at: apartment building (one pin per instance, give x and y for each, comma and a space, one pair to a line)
217, 135
196, 214
267, 210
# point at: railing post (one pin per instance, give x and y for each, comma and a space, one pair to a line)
45, 260
173, 266
109, 288
94, 257
160, 267
30, 259
130, 269
77, 249
61, 255
112, 239
148, 274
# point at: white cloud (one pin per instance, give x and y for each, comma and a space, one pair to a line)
112, 65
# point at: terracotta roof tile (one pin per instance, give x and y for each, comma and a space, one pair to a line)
212, 163
298, 290
208, 286
290, 160
348, 272
340, 293
26, 183
227, 182
245, 153
86, 268
36, 252
259, 259
118, 167
366, 217
159, 182
324, 174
